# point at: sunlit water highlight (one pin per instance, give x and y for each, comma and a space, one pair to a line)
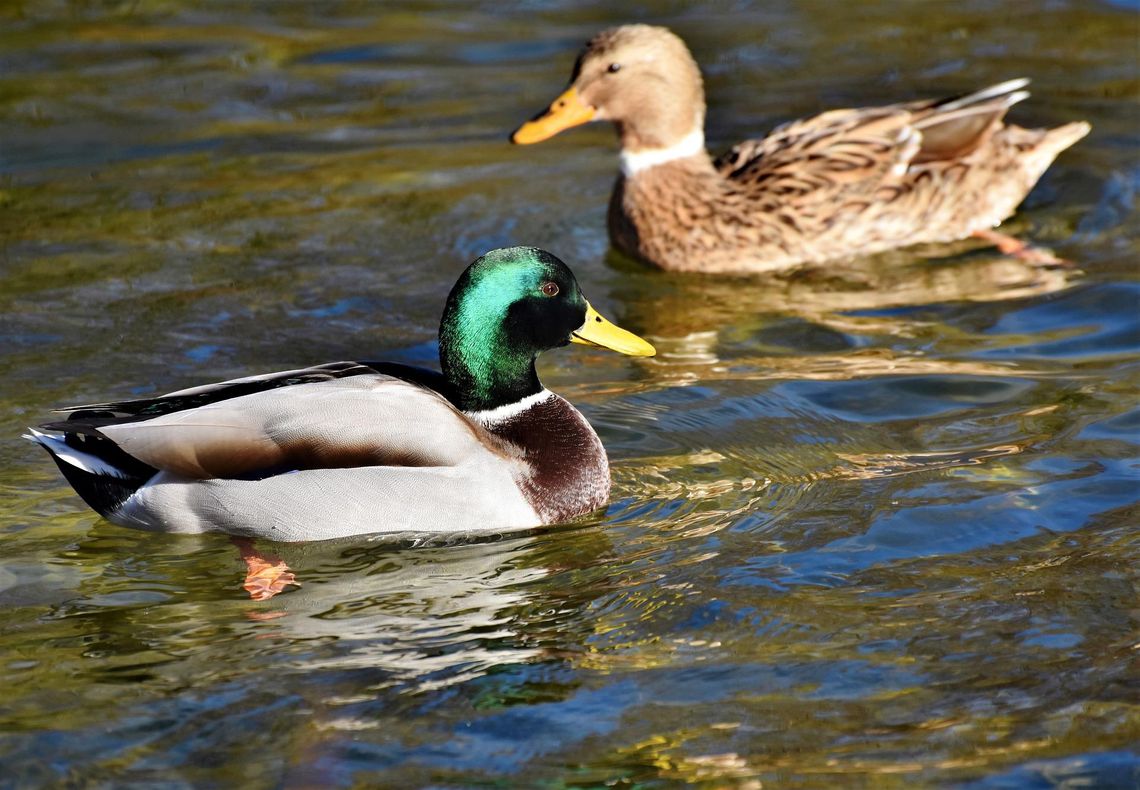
873, 525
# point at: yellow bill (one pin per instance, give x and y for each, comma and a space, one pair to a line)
597, 331
565, 111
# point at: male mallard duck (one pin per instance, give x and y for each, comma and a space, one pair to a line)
842, 183
350, 448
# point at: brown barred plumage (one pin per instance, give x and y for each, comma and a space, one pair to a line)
844, 183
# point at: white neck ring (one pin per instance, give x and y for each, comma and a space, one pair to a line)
509, 410
636, 161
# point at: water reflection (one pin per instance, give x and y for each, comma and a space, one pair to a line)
373, 624
871, 524
857, 297
419, 618
416, 614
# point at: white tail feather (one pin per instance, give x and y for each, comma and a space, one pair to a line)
1009, 86
77, 458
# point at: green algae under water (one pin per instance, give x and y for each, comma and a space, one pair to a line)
871, 526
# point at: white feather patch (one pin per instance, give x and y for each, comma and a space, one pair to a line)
501, 413
636, 161
81, 460
909, 140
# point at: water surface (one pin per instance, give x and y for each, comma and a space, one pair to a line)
873, 525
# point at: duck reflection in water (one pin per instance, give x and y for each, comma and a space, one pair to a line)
688, 316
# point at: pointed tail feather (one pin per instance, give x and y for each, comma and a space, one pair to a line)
102, 485
1010, 89
1058, 139
59, 449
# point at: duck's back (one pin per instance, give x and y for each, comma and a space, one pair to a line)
872, 179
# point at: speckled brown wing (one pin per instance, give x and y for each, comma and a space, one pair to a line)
823, 157
870, 179
842, 153
810, 182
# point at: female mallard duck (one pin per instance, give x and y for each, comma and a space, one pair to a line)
357, 447
842, 183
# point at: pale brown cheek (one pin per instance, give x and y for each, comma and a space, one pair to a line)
606, 106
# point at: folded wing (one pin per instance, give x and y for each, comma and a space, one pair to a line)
847, 152
361, 420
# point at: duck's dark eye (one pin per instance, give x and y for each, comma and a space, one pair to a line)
614, 68
550, 289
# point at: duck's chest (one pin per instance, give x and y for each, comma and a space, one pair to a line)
655, 216
564, 470
680, 220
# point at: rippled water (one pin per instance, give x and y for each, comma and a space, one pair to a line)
875, 525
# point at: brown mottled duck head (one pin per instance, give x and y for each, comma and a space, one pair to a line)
640, 77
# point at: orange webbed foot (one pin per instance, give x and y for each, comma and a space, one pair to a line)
1033, 256
266, 574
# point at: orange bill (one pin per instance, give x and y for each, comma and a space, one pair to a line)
565, 111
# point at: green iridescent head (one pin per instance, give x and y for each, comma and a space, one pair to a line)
508, 307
